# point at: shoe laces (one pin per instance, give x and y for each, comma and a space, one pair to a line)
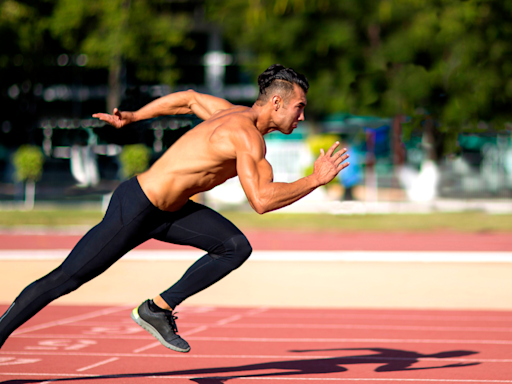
171, 318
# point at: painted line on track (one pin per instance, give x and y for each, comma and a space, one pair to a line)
321, 340
388, 317
313, 326
73, 319
383, 327
98, 364
317, 256
278, 340
254, 378
263, 357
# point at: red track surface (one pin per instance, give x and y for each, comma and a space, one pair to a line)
282, 240
102, 345
233, 345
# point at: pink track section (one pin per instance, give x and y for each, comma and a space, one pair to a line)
288, 240
250, 345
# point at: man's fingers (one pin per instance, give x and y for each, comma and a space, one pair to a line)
341, 159
322, 152
333, 147
102, 116
341, 152
342, 166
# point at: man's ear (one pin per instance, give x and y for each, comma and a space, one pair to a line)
277, 102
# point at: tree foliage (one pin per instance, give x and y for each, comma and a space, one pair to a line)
447, 61
109, 31
137, 30
134, 159
28, 161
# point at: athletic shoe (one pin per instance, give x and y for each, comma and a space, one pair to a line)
161, 325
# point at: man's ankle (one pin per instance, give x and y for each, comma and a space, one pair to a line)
160, 303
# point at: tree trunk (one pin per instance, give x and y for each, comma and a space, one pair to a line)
30, 189
114, 83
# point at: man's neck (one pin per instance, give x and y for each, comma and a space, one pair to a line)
262, 119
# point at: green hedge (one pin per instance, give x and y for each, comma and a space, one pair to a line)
28, 161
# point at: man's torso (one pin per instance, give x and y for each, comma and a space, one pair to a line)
201, 159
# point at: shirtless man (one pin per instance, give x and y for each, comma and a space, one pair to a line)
156, 204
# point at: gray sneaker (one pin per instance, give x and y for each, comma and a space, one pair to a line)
161, 325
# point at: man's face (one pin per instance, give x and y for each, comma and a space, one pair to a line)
288, 115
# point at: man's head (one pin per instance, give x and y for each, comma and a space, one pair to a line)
277, 79
283, 91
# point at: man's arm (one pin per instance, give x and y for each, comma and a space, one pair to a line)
178, 103
255, 174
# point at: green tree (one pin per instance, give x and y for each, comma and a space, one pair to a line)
111, 31
134, 159
447, 63
28, 161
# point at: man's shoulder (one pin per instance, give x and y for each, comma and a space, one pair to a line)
240, 129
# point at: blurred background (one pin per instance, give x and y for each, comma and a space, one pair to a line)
420, 92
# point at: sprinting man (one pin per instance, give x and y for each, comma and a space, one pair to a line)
155, 204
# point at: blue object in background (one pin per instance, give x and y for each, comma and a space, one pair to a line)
380, 144
353, 174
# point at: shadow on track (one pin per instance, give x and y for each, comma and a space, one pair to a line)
390, 360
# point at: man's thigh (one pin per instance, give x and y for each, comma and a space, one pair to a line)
198, 226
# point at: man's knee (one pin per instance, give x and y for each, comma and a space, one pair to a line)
236, 251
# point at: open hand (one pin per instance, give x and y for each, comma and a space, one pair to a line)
118, 119
329, 164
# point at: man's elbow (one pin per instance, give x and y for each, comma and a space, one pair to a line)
259, 207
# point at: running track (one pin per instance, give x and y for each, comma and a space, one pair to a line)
237, 345
288, 240
85, 344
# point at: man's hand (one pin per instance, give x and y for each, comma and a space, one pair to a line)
329, 164
118, 119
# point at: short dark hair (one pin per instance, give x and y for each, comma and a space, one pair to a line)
279, 78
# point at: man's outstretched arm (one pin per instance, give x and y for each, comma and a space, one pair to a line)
178, 103
255, 174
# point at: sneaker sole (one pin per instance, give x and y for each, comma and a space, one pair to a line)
148, 327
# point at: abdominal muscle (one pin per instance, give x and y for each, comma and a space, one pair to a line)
170, 191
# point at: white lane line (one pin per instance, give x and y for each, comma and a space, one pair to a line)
281, 340
82, 336
264, 357
146, 347
386, 327
333, 340
397, 380
316, 256
98, 364
227, 320
373, 316
257, 311
73, 319
47, 374
312, 326
330, 379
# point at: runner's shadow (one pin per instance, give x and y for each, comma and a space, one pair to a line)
389, 360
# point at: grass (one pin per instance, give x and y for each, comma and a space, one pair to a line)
459, 222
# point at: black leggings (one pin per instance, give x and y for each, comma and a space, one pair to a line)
130, 220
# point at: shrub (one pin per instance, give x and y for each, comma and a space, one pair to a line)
134, 159
28, 161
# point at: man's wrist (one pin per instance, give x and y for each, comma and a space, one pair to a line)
133, 117
313, 181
